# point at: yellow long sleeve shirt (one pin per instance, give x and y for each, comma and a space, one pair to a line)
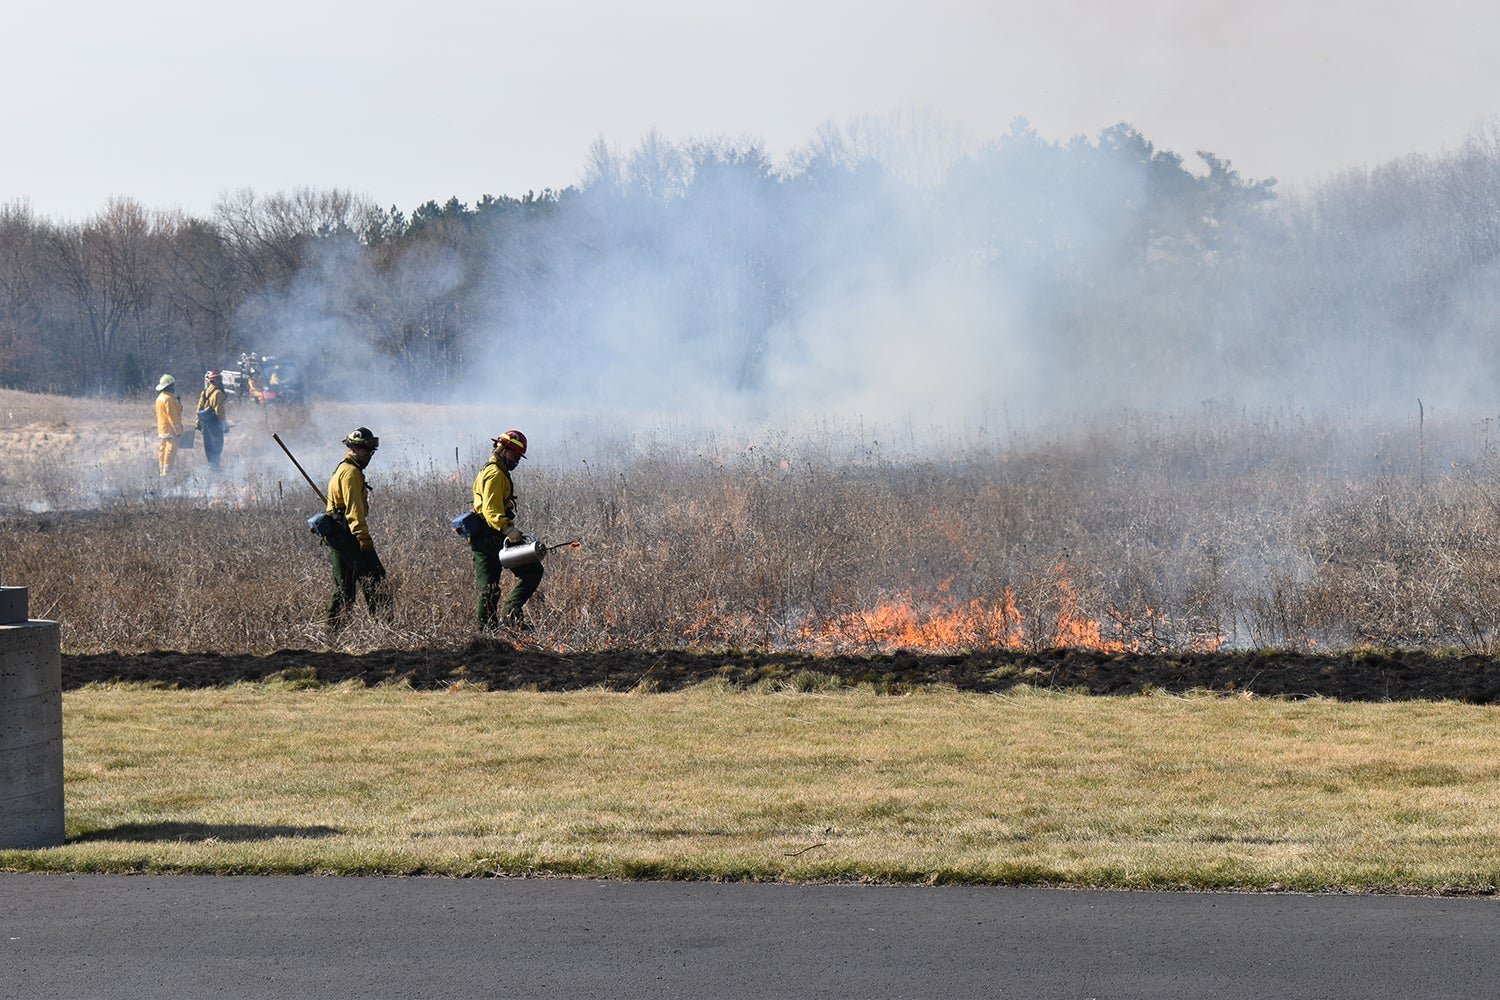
495, 496
168, 414
212, 398
349, 493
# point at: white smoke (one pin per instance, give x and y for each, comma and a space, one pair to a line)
701, 285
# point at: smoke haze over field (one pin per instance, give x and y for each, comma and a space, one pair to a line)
868, 282
1030, 282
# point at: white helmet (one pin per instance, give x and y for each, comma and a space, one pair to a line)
166, 380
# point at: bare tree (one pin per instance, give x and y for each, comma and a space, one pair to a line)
103, 267
658, 171
199, 291
604, 171
270, 242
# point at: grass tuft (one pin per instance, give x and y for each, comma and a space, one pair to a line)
294, 679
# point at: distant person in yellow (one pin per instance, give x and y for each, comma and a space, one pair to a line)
168, 421
351, 549
212, 423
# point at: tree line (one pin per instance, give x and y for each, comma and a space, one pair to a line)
706, 258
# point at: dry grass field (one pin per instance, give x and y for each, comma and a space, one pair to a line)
1280, 555
1153, 535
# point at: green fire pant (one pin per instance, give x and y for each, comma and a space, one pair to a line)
356, 567
487, 573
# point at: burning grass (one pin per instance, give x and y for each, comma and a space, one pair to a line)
1151, 537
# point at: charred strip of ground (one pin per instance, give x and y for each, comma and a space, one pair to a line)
1362, 675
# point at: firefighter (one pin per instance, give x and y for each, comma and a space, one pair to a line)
495, 501
168, 421
350, 547
211, 418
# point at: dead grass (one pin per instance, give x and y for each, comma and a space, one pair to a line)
1155, 534
1197, 792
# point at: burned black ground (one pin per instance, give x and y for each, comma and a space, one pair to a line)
1362, 675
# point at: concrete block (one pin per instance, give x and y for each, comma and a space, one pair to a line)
14, 605
32, 821
30, 659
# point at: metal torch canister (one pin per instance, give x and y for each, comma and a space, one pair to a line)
524, 554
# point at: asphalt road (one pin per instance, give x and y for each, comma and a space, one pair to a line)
169, 937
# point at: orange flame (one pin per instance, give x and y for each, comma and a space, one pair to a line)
997, 624
1073, 629
899, 625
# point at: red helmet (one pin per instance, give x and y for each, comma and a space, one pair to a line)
212, 375
514, 440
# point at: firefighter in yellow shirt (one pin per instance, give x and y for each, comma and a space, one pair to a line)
351, 549
168, 421
495, 501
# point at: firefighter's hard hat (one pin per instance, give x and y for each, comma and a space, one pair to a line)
514, 440
166, 380
212, 375
362, 437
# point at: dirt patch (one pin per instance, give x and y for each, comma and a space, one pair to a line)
504, 666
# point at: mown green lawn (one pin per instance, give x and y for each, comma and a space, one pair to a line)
1198, 792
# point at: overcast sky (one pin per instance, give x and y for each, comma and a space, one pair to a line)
173, 102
